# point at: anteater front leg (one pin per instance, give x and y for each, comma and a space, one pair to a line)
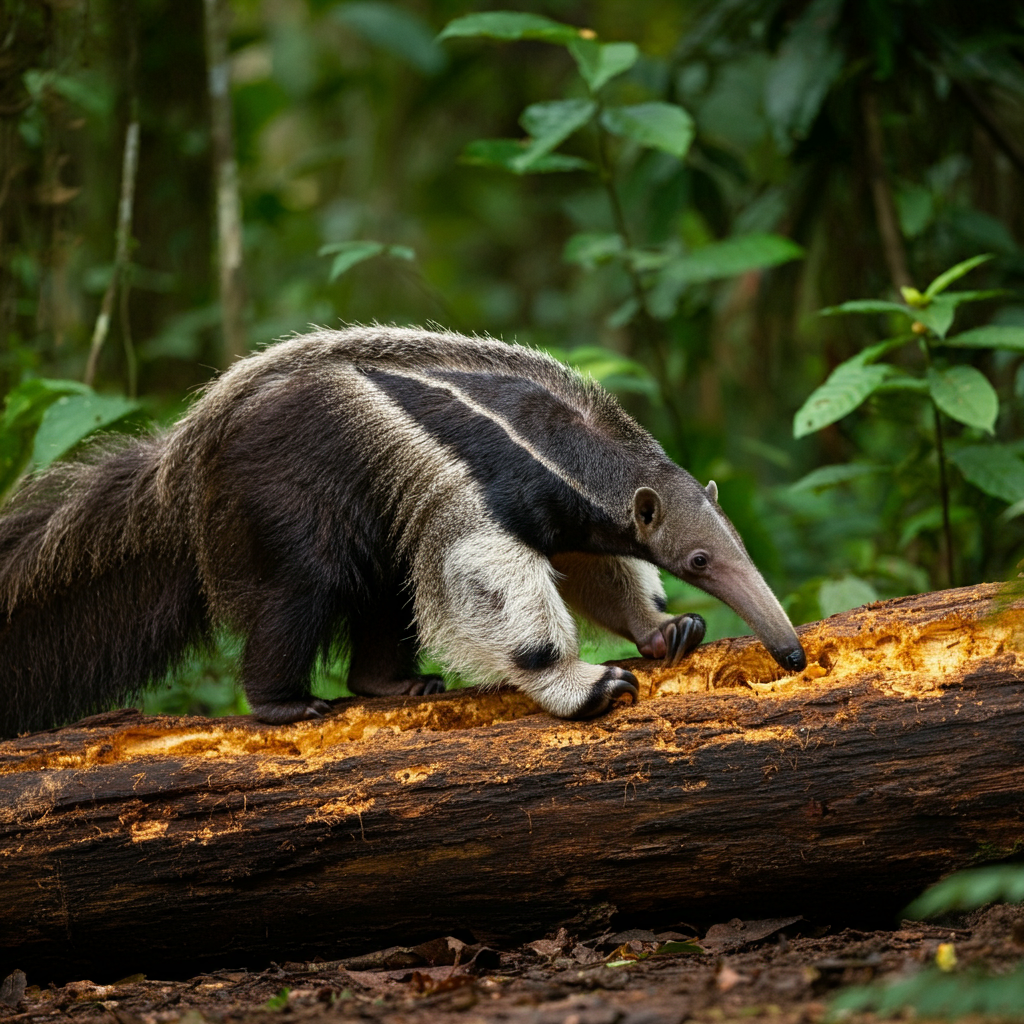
625, 596
495, 611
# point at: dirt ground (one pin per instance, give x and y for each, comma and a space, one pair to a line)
782, 970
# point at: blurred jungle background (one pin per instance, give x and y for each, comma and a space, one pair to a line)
665, 193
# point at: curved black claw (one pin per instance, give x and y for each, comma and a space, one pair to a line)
682, 635
615, 682
282, 712
427, 684
674, 639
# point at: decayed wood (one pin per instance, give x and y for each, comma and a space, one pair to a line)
131, 843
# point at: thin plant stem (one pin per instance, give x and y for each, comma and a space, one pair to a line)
881, 191
126, 338
229, 205
944, 492
940, 451
129, 170
648, 328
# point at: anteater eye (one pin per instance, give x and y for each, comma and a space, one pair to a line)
699, 561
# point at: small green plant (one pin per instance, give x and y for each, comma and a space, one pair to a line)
942, 990
45, 419
278, 1002
954, 390
620, 134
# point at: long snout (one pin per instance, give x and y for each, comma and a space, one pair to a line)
744, 590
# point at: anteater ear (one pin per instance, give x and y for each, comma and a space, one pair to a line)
647, 509
712, 491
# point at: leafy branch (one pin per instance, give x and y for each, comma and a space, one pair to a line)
657, 275
958, 391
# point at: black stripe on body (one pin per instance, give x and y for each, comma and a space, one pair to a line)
599, 449
530, 501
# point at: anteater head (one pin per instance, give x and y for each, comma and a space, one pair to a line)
686, 532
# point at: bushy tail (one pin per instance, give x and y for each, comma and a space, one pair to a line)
99, 590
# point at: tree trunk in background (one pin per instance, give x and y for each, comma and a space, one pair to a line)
153, 844
229, 206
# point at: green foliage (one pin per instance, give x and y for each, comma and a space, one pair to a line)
959, 391
45, 419
968, 890
396, 30
706, 185
348, 254
662, 126
941, 990
509, 25
936, 994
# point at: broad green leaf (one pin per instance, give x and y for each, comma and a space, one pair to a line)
401, 252
900, 381
616, 372
589, 248
550, 124
879, 349
847, 387
24, 409
74, 417
90, 92
929, 520
506, 153
396, 30
867, 306
1002, 336
727, 258
934, 995
510, 25
29, 400
916, 209
976, 296
601, 62
624, 314
944, 280
349, 254
841, 595
938, 315
992, 468
807, 64
964, 393
659, 125
734, 256
650, 259
830, 476
968, 890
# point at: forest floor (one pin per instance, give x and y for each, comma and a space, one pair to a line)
783, 970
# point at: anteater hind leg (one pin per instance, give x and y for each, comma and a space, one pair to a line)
625, 596
384, 651
495, 611
284, 639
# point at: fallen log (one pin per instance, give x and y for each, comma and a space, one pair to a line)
130, 843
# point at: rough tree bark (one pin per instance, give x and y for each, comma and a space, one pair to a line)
131, 843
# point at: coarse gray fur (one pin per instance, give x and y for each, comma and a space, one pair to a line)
387, 489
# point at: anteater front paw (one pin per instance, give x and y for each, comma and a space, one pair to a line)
282, 712
614, 682
673, 640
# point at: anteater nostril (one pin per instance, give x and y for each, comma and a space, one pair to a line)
796, 660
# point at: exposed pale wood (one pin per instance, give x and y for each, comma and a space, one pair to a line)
131, 843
